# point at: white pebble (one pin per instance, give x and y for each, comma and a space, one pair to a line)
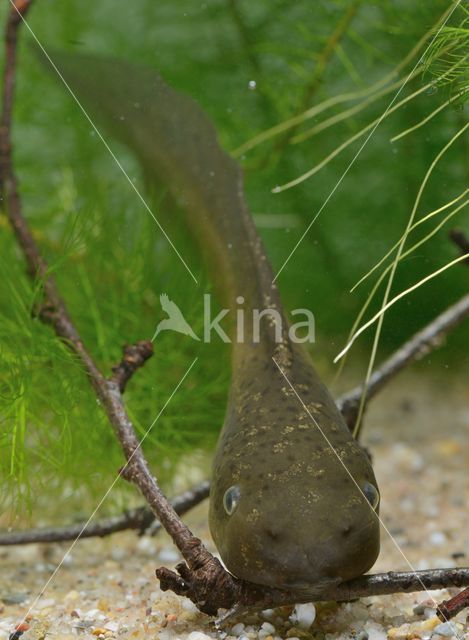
186, 604
267, 628
168, 554
376, 634
146, 545
118, 554
303, 615
198, 635
67, 560
437, 538
43, 604
445, 629
237, 629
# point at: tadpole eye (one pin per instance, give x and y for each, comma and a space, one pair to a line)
231, 499
371, 494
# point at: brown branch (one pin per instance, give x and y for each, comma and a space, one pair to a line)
460, 240
246, 595
450, 608
55, 313
417, 347
141, 519
135, 356
201, 577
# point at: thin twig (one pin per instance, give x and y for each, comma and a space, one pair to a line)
417, 347
253, 596
450, 608
460, 240
55, 313
141, 519
135, 356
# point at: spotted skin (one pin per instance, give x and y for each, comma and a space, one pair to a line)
300, 520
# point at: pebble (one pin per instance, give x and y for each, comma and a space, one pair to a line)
146, 545
375, 631
303, 615
44, 603
268, 613
237, 629
445, 629
426, 609
169, 554
266, 629
112, 585
198, 635
83, 624
14, 598
437, 538
419, 609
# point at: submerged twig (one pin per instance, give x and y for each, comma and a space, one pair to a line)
135, 356
460, 240
417, 347
141, 519
256, 596
55, 313
450, 608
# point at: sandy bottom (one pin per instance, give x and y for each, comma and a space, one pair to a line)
417, 433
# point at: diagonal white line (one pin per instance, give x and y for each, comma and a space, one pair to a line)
360, 490
100, 136
367, 139
69, 550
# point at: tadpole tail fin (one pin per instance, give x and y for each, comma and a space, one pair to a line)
177, 144
167, 130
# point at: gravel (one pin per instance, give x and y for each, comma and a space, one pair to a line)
107, 587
